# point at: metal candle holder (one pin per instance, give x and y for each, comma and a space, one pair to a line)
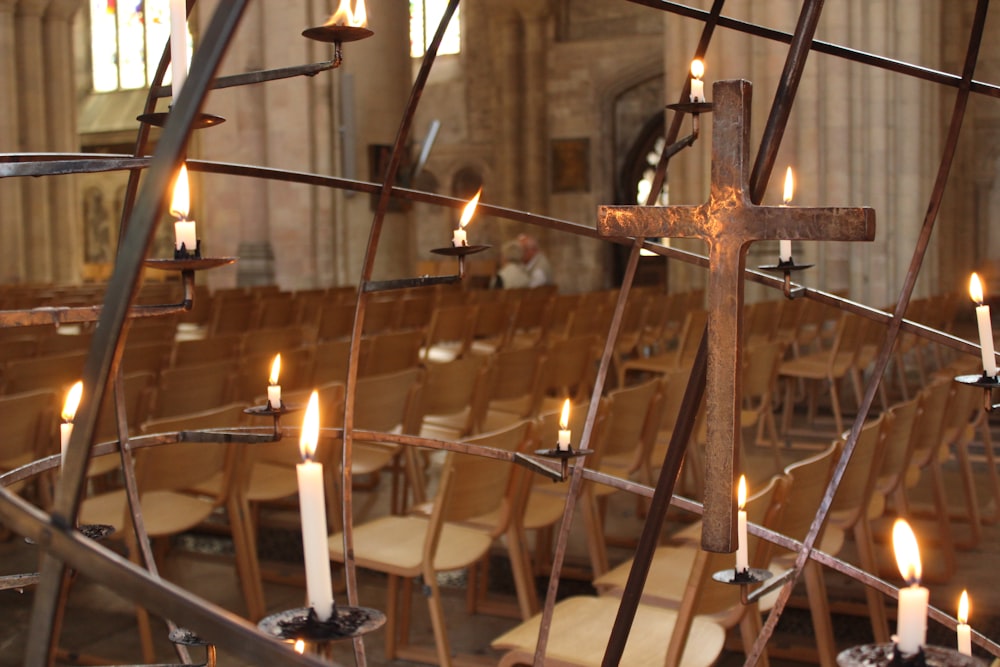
461, 251
345, 623
337, 35
185, 637
267, 410
988, 383
887, 655
693, 108
159, 119
564, 456
787, 268
743, 579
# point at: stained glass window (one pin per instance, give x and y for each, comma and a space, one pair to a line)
126, 40
425, 15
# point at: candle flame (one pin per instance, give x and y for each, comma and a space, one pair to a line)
976, 289
357, 18
789, 186
469, 210
180, 204
300, 646
275, 370
310, 428
72, 401
963, 608
697, 68
904, 544
741, 492
564, 416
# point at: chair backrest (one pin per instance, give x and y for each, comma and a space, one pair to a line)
455, 387
29, 427
336, 320
569, 367
233, 314
150, 357
271, 341
138, 392
630, 413
388, 402
760, 370
189, 389
927, 431
547, 429
858, 483
494, 320
393, 352
206, 350
331, 358
451, 326
54, 372
514, 378
381, 316
254, 370
277, 310
899, 445
808, 478
689, 337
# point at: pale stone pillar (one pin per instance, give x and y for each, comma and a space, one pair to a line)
31, 115
66, 223
508, 54
11, 213
536, 136
381, 85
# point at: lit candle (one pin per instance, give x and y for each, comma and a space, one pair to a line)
185, 235
300, 646
785, 246
273, 388
911, 617
697, 85
68, 413
985, 326
964, 631
742, 548
345, 16
312, 509
458, 237
564, 433
178, 45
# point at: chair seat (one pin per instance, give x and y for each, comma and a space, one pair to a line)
814, 367
370, 457
394, 544
163, 512
581, 627
271, 481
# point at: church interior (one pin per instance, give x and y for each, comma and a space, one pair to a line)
534, 332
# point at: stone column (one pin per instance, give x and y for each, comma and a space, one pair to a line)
536, 136
11, 212
66, 223
32, 113
507, 60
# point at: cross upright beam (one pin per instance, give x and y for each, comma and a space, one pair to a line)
729, 222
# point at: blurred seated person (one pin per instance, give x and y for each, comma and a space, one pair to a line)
513, 274
535, 261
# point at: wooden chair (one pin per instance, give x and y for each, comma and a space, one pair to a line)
828, 366
533, 305
166, 477
674, 567
330, 360
449, 333
206, 350
188, 389
138, 394
271, 341
336, 321
453, 399
680, 357
406, 547
381, 316
568, 370
146, 357
277, 311
492, 330
29, 432
760, 383
54, 372
512, 386
393, 352
233, 314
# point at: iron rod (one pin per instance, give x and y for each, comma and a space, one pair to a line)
259, 76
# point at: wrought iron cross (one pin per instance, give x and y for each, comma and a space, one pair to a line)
729, 222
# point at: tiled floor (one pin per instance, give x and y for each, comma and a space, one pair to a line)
100, 624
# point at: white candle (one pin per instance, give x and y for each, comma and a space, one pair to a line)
185, 235
742, 547
697, 85
963, 629
911, 616
459, 238
564, 431
785, 246
68, 413
273, 388
985, 326
178, 45
312, 509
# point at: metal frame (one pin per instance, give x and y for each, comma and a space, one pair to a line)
64, 546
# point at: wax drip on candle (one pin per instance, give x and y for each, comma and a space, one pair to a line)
185, 234
565, 435
963, 630
785, 245
697, 85
68, 414
911, 623
273, 388
459, 237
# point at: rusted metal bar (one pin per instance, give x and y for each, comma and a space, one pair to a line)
18, 582
404, 283
882, 361
862, 57
385, 194
784, 98
259, 76
658, 507
106, 346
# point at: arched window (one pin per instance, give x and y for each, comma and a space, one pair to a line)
425, 15
126, 41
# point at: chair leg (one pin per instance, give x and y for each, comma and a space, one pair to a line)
991, 468
876, 607
247, 564
436, 612
835, 404
750, 627
819, 610
969, 491
391, 616
520, 563
595, 534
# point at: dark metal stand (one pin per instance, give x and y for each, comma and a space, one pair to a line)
564, 456
275, 413
887, 655
787, 268
301, 624
744, 579
987, 383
